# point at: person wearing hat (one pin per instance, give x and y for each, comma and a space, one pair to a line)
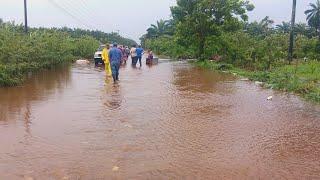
115, 56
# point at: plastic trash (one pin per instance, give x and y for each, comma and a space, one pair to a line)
82, 61
115, 168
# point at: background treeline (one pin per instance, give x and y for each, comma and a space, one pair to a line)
98, 35
44, 48
219, 30
206, 29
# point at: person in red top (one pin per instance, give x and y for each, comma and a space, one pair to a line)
149, 58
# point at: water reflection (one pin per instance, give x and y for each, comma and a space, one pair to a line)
38, 87
171, 121
199, 80
27, 119
113, 97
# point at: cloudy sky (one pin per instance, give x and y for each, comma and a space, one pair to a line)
130, 18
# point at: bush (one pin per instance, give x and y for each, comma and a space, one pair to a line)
43, 48
303, 78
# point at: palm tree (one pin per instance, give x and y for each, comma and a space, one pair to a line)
161, 28
266, 22
313, 16
304, 29
284, 27
261, 29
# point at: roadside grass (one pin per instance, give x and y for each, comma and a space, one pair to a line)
300, 78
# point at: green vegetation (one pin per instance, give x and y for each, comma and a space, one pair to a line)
313, 16
301, 78
44, 48
219, 31
98, 35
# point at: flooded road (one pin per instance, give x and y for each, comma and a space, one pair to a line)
171, 121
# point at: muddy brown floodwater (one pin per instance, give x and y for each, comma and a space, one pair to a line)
171, 121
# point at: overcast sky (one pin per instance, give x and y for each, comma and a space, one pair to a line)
130, 18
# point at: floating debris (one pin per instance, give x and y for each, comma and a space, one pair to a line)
258, 83
83, 61
270, 98
28, 178
244, 79
115, 168
128, 126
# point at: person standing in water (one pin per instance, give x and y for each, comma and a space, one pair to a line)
149, 58
139, 51
115, 56
133, 53
127, 51
106, 60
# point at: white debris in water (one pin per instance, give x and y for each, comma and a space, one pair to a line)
244, 79
128, 126
270, 98
115, 168
28, 178
82, 61
258, 83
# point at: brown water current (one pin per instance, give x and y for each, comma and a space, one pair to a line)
170, 121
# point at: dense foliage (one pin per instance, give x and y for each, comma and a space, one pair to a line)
205, 29
313, 16
219, 30
301, 78
102, 37
44, 48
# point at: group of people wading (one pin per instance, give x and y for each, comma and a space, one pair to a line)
116, 55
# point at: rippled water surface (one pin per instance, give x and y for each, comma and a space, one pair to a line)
171, 121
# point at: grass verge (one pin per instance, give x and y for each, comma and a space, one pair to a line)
302, 79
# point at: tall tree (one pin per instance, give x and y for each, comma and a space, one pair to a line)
199, 19
260, 29
293, 20
284, 27
161, 28
313, 16
304, 29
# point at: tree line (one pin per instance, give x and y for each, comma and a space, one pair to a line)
21, 53
220, 30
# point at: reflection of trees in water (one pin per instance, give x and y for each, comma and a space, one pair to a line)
113, 95
199, 80
27, 118
15, 101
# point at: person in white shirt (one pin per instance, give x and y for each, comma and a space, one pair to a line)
133, 53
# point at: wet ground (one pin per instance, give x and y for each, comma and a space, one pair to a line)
170, 121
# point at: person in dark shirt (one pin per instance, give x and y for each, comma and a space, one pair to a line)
139, 51
115, 56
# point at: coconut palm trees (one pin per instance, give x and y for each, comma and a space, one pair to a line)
313, 16
284, 27
260, 29
161, 28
